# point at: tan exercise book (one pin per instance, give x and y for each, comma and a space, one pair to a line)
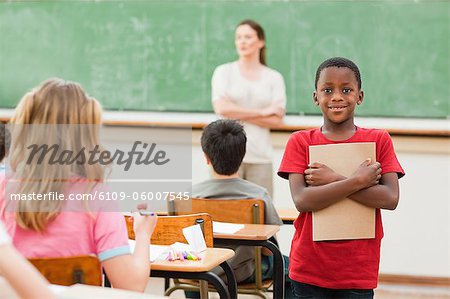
346, 219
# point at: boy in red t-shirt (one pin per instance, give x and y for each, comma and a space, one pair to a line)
348, 268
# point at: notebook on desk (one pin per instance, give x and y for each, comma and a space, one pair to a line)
346, 219
226, 228
156, 251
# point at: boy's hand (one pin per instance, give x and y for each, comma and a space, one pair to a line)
144, 225
368, 174
319, 174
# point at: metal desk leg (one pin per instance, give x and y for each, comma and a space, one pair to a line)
166, 284
278, 262
203, 289
106, 282
278, 269
218, 283
231, 279
210, 277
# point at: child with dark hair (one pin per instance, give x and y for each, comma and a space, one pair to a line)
345, 268
5, 140
223, 143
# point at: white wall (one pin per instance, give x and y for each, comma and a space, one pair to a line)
417, 233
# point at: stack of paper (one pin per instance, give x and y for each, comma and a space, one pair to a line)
178, 246
195, 238
226, 228
156, 251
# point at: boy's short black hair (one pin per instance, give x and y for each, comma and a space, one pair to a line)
223, 142
339, 62
5, 140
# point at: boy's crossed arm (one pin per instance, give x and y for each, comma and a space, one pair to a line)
384, 195
321, 187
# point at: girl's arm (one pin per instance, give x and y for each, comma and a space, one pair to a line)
131, 272
316, 197
22, 276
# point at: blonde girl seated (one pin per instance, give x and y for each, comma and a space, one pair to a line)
55, 228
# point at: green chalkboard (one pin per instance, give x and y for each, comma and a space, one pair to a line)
160, 55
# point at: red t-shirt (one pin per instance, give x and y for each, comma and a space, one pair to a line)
349, 264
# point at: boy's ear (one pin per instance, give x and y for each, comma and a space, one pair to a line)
360, 97
315, 100
208, 161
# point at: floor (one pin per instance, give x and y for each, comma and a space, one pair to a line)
384, 291
388, 291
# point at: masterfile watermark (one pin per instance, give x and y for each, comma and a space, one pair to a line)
92, 167
96, 155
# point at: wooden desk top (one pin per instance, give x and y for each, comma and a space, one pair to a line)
288, 215
251, 232
211, 258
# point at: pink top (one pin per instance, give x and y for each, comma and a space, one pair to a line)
71, 233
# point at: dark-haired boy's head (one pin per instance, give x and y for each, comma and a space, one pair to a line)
223, 142
339, 62
4, 141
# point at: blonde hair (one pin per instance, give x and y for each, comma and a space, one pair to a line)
39, 119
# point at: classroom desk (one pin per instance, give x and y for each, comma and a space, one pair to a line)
288, 216
258, 235
201, 270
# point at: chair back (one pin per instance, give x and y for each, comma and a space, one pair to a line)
245, 211
67, 271
169, 229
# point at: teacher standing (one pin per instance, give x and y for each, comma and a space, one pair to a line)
250, 91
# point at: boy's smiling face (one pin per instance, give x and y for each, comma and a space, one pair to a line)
337, 94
